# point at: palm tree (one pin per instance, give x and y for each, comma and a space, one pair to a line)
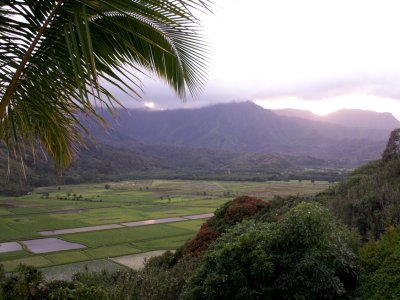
58, 56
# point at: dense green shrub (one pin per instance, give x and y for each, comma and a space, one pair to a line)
380, 262
279, 206
24, 284
305, 255
159, 279
164, 261
237, 266
368, 198
78, 292
314, 255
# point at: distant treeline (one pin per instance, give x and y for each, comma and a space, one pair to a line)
100, 163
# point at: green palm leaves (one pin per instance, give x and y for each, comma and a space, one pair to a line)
58, 57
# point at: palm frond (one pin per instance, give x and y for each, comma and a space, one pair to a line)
56, 57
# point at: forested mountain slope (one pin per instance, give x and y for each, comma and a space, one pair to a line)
247, 127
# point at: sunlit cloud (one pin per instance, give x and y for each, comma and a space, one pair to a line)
309, 54
332, 104
149, 104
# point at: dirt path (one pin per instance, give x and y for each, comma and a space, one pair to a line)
125, 224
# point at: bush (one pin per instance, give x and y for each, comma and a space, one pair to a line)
159, 279
305, 255
279, 206
226, 216
237, 266
369, 197
24, 284
78, 292
235, 211
203, 239
313, 255
380, 262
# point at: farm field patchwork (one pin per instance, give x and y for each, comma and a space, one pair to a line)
71, 206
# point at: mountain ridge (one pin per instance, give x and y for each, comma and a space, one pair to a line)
247, 127
347, 117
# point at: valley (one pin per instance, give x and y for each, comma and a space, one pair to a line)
110, 215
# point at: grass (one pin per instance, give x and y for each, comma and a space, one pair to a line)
192, 225
13, 255
169, 243
111, 251
33, 260
126, 235
64, 257
70, 206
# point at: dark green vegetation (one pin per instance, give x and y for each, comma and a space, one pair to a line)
341, 243
369, 197
305, 255
380, 261
103, 163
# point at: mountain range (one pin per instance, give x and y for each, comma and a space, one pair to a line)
347, 117
344, 138
235, 141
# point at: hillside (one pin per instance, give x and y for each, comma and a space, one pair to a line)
102, 162
237, 141
347, 117
363, 118
246, 127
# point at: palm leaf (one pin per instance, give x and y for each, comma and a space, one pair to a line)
56, 57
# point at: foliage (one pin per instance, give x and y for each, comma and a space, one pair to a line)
279, 206
24, 284
234, 211
78, 292
392, 148
243, 207
163, 261
104, 163
200, 243
158, 280
226, 216
313, 254
237, 266
305, 255
57, 58
379, 278
368, 198
28, 283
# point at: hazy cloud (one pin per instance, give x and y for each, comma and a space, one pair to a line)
308, 49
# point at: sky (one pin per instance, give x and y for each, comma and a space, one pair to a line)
318, 55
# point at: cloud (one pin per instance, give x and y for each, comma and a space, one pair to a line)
310, 49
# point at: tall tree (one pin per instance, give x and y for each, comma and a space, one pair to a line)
57, 58
393, 146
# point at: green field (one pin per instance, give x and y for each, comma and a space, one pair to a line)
70, 206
